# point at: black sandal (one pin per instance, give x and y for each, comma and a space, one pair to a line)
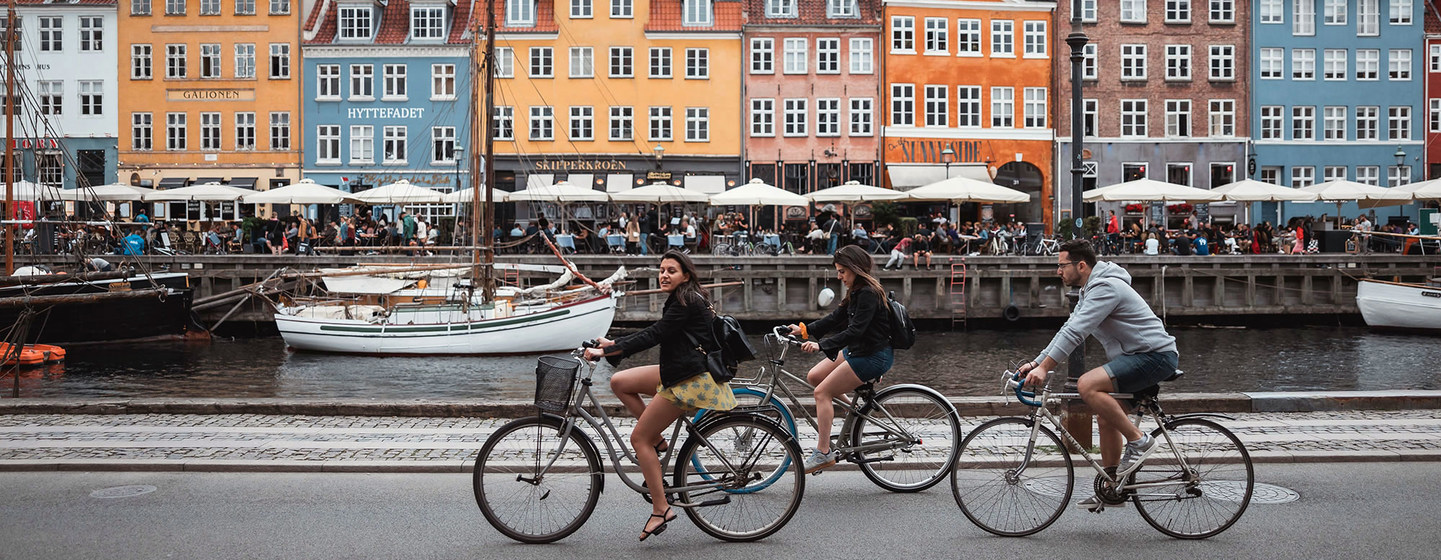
662, 447
665, 519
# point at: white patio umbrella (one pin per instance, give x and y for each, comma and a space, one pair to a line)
853, 191
561, 191
1150, 190
965, 189
208, 192
757, 193
399, 192
660, 192
1341, 191
463, 196
1425, 190
26, 190
1250, 190
106, 193
304, 192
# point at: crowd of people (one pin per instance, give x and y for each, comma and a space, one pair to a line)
1197, 237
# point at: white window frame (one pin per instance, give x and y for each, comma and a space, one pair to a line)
362, 82
1133, 11
1273, 122
210, 131
504, 62
142, 131
796, 53
1178, 11
697, 124
327, 82
279, 67
396, 81
1222, 63
1335, 64
1368, 175
969, 109
1034, 34
1134, 121
862, 116
142, 64
968, 37
697, 67
175, 132
504, 119
621, 124
1178, 62
1003, 107
581, 63
660, 63
542, 123
622, 62
1272, 63
1303, 18
1178, 118
1003, 38
520, 13
1334, 12
279, 131
1333, 122
795, 118
828, 117
763, 117
1222, 11
245, 61
659, 124
1303, 64
903, 104
1368, 122
938, 36
1398, 65
828, 55
356, 23
542, 62
245, 137
1368, 18
1303, 176
362, 144
903, 35
622, 9
581, 123
862, 54
1402, 12
327, 144
427, 23
442, 82
442, 143
1221, 116
763, 55
1368, 65
1035, 108
1133, 62
937, 106
1398, 123
1303, 123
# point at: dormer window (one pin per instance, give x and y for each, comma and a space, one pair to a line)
841, 9
697, 13
780, 8
355, 23
427, 22
520, 13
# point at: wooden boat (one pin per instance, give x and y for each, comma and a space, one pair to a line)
1396, 305
96, 308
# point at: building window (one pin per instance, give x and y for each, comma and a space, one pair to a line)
582, 63
763, 117
139, 7
244, 60
1399, 175
1223, 63
621, 9
697, 124
697, 64
355, 23
841, 9
245, 131
362, 82
1333, 173
1035, 39
968, 106
245, 7
1271, 175
762, 56
862, 116
280, 131
1399, 64
520, 13
1178, 63
91, 34
141, 133
210, 60
1401, 12
1399, 123
140, 65
828, 117
968, 37
1435, 58
1178, 118
903, 34
1035, 107
796, 113
938, 103
660, 62
542, 123
279, 7
362, 144
581, 9
1273, 65
1334, 12
1303, 176
660, 124
1223, 11
280, 61
50, 169
1435, 114
442, 82
504, 124
427, 22
795, 55
696, 13
1304, 22
1368, 18
92, 97
622, 123
622, 61
175, 132
327, 145
780, 9
174, 7
209, 7
1303, 123
1222, 116
541, 63
1368, 123
1368, 175
393, 143
51, 39
828, 56
1089, 64
1368, 64
1333, 123
1133, 62
327, 82
1003, 107
582, 123
175, 62
1133, 11
1178, 11
1089, 108
1133, 118
903, 105
862, 57
1334, 64
52, 96
937, 36
1003, 41
210, 132
395, 83
504, 62
1303, 64
1271, 122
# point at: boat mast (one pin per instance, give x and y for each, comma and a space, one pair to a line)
9, 137
483, 210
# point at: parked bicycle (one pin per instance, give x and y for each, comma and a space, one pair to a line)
537, 479
903, 437
1013, 477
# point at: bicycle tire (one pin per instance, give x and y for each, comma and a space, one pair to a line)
721, 249
938, 426
748, 397
497, 480
1207, 499
745, 442
992, 495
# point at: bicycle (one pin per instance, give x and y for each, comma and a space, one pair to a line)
1014, 477
922, 444
1047, 247
537, 479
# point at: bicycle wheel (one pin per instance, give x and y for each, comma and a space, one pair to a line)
527, 497
1205, 497
898, 465
720, 249
778, 413
739, 455
1007, 486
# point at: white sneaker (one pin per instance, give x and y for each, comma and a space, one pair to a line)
1134, 454
1094, 504
817, 460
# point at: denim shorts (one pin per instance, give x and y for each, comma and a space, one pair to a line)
1134, 372
872, 367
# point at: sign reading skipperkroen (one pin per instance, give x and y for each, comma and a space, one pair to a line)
210, 94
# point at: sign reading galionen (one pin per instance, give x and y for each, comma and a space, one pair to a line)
210, 94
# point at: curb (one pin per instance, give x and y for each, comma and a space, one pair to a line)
1310, 401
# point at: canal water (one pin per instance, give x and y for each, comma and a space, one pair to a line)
955, 363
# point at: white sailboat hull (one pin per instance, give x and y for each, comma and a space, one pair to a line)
551, 329
1399, 306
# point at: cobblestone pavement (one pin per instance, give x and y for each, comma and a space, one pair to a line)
398, 444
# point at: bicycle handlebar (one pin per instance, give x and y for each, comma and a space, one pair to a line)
783, 333
1016, 382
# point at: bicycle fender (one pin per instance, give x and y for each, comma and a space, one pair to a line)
923, 389
1172, 419
584, 440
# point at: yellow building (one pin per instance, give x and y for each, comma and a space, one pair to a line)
209, 91
612, 94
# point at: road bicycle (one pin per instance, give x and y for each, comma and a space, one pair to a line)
1013, 477
903, 437
737, 474
1047, 247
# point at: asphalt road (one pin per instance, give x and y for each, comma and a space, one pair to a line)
1346, 510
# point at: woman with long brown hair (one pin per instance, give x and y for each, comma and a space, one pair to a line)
858, 352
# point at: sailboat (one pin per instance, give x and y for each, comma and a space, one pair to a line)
459, 309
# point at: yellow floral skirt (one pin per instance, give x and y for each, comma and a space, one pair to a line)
699, 392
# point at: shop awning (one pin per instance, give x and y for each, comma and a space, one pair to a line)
909, 176
204, 180
709, 184
172, 183
243, 182
618, 182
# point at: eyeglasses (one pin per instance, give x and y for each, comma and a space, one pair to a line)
1066, 264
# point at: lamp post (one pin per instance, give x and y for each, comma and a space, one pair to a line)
1077, 422
659, 153
946, 156
1400, 162
455, 155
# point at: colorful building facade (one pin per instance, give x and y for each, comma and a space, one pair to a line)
1433, 92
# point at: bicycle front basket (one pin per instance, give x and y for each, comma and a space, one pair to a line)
555, 382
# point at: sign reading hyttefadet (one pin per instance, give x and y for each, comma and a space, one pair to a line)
385, 113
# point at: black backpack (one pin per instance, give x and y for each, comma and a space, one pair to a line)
734, 348
903, 331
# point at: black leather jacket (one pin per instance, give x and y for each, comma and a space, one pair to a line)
679, 358
866, 321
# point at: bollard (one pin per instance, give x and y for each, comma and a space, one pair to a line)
1075, 416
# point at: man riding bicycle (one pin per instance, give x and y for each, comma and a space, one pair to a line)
1140, 353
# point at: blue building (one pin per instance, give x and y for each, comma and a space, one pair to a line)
1337, 93
387, 96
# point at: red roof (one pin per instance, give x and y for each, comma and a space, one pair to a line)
63, 3
394, 24
814, 13
1433, 20
544, 18
665, 15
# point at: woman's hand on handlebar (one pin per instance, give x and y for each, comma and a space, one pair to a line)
1032, 375
810, 346
795, 330
595, 349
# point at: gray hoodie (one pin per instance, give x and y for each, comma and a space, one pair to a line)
1112, 311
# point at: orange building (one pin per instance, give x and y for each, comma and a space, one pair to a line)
209, 91
968, 89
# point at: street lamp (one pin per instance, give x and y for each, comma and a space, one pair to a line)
459, 150
946, 156
659, 153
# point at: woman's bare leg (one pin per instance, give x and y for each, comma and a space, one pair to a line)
653, 422
842, 380
629, 384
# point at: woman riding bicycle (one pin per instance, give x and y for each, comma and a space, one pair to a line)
863, 345
680, 380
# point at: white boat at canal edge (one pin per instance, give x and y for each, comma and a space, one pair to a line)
1394, 305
